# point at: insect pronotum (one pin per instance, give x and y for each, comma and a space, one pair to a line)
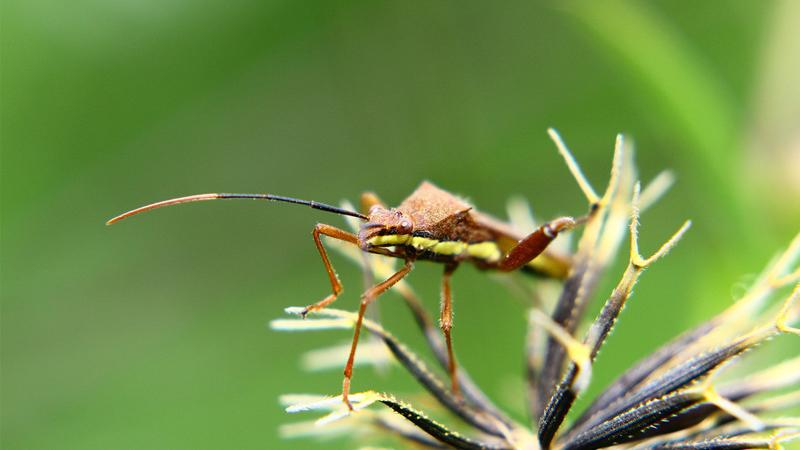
431, 224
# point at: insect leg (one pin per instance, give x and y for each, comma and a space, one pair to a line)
446, 323
534, 244
366, 298
368, 200
336, 285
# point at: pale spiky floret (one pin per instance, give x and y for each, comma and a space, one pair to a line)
671, 399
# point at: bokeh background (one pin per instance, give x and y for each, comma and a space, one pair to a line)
152, 333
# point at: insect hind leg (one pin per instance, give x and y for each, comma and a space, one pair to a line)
535, 243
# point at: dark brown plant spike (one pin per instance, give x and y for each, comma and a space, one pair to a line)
534, 361
554, 353
432, 428
698, 367
687, 419
714, 428
705, 412
415, 435
733, 429
736, 438
676, 379
629, 425
663, 357
718, 423
438, 430
640, 371
777, 275
716, 444
606, 236
565, 394
579, 286
601, 328
695, 350
771, 379
682, 376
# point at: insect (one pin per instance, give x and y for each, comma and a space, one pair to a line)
430, 225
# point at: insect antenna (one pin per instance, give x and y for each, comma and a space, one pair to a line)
226, 196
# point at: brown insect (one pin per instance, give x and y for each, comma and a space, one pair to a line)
432, 225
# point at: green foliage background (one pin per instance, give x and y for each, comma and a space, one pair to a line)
151, 334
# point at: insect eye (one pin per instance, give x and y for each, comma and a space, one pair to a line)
405, 226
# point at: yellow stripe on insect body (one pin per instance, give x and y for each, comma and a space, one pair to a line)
447, 248
390, 239
487, 251
423, 243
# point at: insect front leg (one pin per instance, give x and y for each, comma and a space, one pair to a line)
534, 244
366, 298
336, 285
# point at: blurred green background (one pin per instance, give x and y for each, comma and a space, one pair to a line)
152, 333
